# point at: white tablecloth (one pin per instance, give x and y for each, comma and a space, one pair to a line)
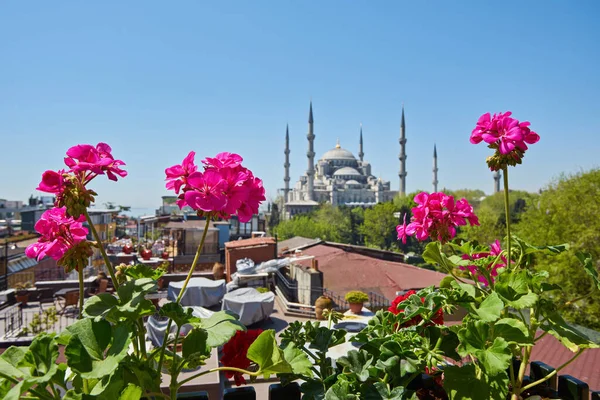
251, 305
201, 292
342, 350
156, 328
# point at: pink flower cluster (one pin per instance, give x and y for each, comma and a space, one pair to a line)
224, 188
495, 250
86, 162
503, 132
59, 233
436, 217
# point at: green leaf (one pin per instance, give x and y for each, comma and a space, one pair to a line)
298, 360
514, 289
11, 360
313, 389
446, 282
357, 363
16, 391
5, 386
493, 354
195, 342
513, 331
85, 351
131, 392
221, 326
569, 336
380, 391
491, 308
588, 266
140, 271
108, 387
72, 395
466, 383
432, 254
269, 357
99, 305
341, 390
324, 338
468, 291
177, 313
42, 354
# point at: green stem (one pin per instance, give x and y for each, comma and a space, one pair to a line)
551, 374
575, 300
142, 338
154, 394
81, 292
507, 212
516, 389
541, 336
109, 266
187, 280
242, 371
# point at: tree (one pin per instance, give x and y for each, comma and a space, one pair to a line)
379, 227
274, 217
567, 212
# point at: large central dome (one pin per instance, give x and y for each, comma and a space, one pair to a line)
338, 153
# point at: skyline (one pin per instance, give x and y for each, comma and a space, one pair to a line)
156, 81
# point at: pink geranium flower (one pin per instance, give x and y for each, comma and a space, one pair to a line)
436, 216
52, 182
503, 132
177, 174
96, 160
59, 233
495, 251
206, 191
225, 188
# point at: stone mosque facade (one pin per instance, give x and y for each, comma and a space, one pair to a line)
338, 177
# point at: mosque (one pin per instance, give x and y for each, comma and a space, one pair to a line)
340, 178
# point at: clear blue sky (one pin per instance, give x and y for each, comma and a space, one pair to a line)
157, 79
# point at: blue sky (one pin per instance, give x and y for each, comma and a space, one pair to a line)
157, 79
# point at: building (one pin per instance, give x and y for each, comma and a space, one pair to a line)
338, 177
103, 221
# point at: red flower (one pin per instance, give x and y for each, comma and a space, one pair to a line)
437, 319
235, 351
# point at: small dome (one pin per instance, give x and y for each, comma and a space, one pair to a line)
346, 171
338, 154
352, 182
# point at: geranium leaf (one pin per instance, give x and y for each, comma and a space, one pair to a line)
494, 354
322, 338
269, 357
381, 391
177, 313
298, 360
195, 342
588, 265
466, 383
513, 331
85, 351
16, 391
340, 390
357, 362
140, 271
571, 337
99, 305
72, 395
491, 308
131, 392
313, 389
432, 254
42, 354
221, 326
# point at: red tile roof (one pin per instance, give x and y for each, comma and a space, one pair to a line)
236, 244
344, 271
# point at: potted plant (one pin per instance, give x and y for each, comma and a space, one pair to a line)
145, 253
356, 299
22, 292
127, 249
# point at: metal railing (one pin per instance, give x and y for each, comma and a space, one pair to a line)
17, 320
378, 302
292, 292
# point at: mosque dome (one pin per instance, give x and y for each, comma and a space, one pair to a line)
346, 171
352, 182
338, 153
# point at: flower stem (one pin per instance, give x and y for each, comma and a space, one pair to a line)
551, 374
81, 292
242, 371
109, 266
507, 212
187, 280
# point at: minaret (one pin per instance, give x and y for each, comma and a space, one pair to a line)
435, 169
497, 181
310, 172
361, 154
402, 173
286, 177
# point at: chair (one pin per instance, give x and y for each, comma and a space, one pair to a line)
70, 299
